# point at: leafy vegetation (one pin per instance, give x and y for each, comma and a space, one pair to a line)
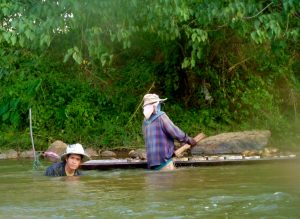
84, 66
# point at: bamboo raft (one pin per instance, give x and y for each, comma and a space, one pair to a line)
207, 161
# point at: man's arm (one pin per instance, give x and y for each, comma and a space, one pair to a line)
175, 132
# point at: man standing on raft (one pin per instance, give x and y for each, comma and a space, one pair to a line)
159, 134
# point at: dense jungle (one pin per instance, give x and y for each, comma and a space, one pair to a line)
83, 68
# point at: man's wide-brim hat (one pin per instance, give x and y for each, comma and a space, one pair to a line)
75, 149
152, 98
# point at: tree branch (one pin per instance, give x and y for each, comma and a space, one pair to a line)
235, 65
259, 12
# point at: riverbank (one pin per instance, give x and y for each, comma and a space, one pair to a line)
95, 154
137, 154
246, 143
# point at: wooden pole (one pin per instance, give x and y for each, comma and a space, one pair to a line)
185, 147
31, 135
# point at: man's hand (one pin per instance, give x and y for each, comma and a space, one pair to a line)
192, 142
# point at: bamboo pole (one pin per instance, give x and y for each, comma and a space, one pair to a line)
185, 147
31, 135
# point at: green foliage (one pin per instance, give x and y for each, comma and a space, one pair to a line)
96, 31
70, 107
83, 66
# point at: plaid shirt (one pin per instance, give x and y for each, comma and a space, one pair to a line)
159, 134
58, 169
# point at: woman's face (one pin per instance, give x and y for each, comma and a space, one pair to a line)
148, 110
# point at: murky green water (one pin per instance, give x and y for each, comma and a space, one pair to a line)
240, 191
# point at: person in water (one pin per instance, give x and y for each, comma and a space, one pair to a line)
159, 134
70, 163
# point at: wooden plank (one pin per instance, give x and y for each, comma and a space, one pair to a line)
113, 164
128, 164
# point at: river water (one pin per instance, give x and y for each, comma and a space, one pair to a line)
234, 191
